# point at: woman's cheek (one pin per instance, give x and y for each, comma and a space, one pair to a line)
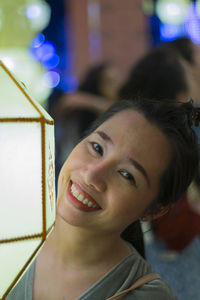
78, 157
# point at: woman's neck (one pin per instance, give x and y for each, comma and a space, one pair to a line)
82, 247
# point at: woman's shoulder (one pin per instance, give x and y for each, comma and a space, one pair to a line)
156, 289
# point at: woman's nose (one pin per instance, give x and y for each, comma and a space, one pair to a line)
95, 176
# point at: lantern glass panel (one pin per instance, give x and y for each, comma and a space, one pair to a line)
12, 258
21, 162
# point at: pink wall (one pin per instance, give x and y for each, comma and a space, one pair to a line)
120, 29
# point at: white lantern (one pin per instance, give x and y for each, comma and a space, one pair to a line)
27, 185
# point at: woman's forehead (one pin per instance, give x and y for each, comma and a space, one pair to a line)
130, 124
127, 118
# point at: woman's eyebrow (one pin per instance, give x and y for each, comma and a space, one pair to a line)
104, 136
140, 168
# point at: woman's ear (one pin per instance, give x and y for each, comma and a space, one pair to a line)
156, 213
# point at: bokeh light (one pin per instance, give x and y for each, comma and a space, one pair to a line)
38, 40
31, 74
172, 12
38, 13
45, 52
51, 79
51, 62
170, 32
33, 11
192, 24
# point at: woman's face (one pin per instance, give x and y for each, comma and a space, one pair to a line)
112, 176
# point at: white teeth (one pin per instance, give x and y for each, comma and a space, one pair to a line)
80, 197
85, 201
76, 194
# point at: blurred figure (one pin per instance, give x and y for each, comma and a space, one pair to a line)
98, 89
190, 52
74, 112
161, 74
173, 246
102, 80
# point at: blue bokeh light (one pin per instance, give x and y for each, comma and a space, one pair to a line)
51, 62
169, 32
69, 83
38, 40
52, 78
61, 60
45, 52
192, 25
46, 49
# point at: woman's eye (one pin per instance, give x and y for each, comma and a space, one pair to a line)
97, 148
128, 177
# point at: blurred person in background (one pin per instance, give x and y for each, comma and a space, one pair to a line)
173, 247
74, 112
190, 52
161, 73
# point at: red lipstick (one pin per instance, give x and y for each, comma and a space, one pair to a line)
77, 203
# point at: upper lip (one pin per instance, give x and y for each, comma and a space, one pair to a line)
86, 191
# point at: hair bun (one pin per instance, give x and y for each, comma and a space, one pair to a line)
193, 114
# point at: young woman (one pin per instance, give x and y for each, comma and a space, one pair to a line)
135, 162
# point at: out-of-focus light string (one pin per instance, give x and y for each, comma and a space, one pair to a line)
45, 52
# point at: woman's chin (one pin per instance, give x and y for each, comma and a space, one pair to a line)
69, 214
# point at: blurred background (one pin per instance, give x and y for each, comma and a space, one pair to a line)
50, 44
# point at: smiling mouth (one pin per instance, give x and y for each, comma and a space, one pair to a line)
85, 201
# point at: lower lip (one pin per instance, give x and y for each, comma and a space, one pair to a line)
78, 204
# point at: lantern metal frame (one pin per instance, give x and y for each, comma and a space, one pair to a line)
43, 235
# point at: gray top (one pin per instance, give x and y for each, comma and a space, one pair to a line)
120, 277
